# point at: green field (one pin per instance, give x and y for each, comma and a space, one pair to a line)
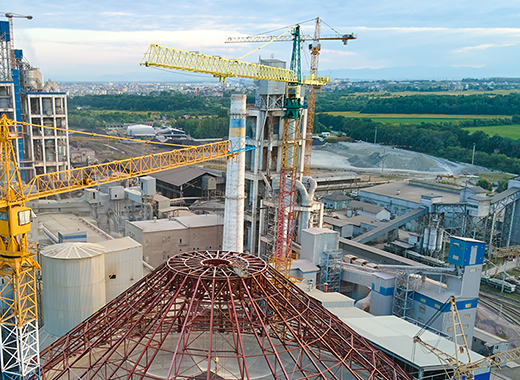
454, 93
395, 118
510, 131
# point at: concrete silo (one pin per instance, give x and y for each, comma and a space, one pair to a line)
73, 277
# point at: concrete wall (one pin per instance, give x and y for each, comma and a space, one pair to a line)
159, 246
316, 241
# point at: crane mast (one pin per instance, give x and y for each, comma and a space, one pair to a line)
19, 344
282, 256
311, 99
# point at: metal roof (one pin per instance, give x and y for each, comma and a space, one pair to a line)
178, 223
368, 207
411, 193
335, 197
180, 176
120, 244
73, 251
395, 335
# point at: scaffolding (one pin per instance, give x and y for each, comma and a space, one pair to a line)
331, 271
404, 291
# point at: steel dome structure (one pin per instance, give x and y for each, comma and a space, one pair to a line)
215, 315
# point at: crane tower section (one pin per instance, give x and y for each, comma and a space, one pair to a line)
19, 346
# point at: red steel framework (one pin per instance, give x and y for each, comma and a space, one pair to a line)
215, 315
282, 257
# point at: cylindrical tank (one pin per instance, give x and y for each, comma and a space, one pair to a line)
433, 240
47, 106
440, 237
426, 238
73, 277
233, 233
34, 79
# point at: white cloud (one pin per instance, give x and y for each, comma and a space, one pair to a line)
481, 47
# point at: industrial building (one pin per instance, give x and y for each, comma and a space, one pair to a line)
163, 238
25, 96
264, 126
211, 307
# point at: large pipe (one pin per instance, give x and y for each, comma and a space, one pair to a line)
233, 239
306, 201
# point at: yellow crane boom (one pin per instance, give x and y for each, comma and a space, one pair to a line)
222, 68
19, 342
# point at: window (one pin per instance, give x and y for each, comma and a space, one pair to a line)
24, 217
422, 309
466, 316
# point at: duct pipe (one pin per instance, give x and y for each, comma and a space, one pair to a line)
364, 303
233, 239
306, 201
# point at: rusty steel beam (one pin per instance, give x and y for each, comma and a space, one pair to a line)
213, 314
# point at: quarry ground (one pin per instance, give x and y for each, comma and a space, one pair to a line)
364, 157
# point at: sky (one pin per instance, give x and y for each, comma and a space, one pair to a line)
397, 39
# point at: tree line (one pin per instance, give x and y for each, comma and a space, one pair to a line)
421, 104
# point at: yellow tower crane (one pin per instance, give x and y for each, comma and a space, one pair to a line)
19, 347
456, 367
314, 49
222, 68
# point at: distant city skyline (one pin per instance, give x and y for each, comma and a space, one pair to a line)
400, 39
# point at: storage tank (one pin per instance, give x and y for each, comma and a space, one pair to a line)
73, 278
34, 79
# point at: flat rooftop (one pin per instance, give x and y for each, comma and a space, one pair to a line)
179, 223
408, 192
55, 222
395, 335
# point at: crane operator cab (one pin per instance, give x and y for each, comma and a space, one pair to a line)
15, 220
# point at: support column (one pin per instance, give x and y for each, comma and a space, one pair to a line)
233, 239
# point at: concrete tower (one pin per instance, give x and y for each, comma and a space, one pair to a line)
234, 210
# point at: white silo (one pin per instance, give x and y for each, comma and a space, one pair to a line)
73, 281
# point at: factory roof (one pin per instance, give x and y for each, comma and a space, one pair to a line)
411, 193
354, 220
489, 338
120, 244
58, 222
318, 231
336, 197
395, 335
180, 176
193, 221
368, 207
178, 223
304, 265
336, 222
329, 299
73, 251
